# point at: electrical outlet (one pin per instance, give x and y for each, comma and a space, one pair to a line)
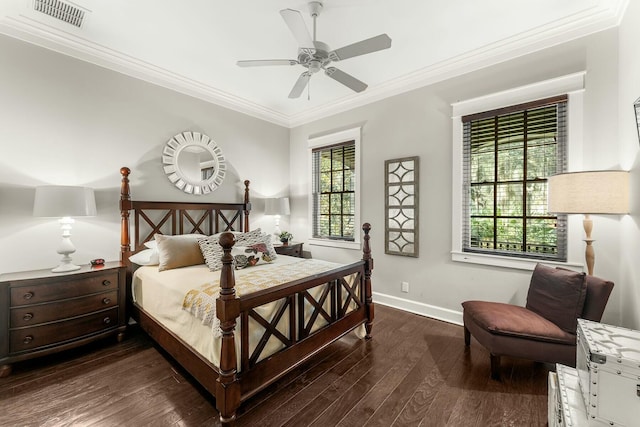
405, 286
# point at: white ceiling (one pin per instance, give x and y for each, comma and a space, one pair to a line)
192, 46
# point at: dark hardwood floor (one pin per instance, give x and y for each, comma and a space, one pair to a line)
415, 372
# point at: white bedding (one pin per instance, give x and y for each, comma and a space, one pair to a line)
161, 294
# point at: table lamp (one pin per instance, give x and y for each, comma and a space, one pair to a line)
64, 202
595, 192
277, 207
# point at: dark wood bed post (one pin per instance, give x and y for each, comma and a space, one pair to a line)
227, 310
247, 205
368, 267
125, 207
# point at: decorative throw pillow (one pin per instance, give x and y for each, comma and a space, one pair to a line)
255, 237
211, 251
557, 295
248, 256
178, 251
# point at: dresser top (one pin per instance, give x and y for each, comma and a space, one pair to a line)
36, 274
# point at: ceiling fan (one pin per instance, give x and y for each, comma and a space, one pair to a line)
315, 55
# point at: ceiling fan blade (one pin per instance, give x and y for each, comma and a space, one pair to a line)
263, 62
301, 83
346, 79
295, 22
362, 47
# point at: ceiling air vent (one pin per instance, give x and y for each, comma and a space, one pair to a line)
60, 10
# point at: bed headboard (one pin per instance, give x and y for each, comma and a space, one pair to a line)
172, 218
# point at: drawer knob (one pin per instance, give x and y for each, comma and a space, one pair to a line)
28, 295
27, 339
106, 320
106, 301
106, 283
27, 316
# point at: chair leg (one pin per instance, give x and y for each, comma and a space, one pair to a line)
495, 367
467, 337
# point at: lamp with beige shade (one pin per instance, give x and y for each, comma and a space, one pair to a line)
593, 192
64, 202
277, 207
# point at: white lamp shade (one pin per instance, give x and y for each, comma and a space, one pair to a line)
64, 201
279, 206
599, 192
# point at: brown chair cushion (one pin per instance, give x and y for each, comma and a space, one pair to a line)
512, 320
557, 295
598, 292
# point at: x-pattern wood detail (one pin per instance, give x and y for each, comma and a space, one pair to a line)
155, 227
228, 223
305, 329
352, 291
349, 286
184, 222
184, 215
271, 329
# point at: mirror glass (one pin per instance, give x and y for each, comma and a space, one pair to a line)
194, 163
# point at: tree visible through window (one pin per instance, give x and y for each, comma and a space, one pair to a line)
508, 156
334, 176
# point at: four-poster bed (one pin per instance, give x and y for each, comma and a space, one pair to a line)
263, 334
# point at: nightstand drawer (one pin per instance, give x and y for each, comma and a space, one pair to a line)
42, 313
64, 288
292, 249
40, 336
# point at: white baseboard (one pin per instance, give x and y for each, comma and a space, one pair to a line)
439, 313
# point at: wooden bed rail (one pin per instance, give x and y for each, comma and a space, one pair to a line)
233, 387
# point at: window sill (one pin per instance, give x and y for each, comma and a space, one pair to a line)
508, 262
335, 244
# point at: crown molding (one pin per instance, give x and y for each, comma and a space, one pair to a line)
555, 33
592, 20
35, 32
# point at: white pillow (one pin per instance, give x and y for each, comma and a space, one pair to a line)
146, 257
151, 244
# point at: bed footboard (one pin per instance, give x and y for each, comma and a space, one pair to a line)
341, 299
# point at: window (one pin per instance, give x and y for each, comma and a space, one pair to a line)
334, 189
525, 97
334, 171
508, 155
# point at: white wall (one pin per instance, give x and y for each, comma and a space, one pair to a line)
419, 123
629, 91
63, 121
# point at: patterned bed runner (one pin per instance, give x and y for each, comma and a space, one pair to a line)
201, 302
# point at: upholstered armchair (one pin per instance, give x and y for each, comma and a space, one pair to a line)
545, 329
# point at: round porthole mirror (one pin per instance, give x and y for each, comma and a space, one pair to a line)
194, 163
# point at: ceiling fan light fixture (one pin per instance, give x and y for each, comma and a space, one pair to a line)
314, 66
320, 56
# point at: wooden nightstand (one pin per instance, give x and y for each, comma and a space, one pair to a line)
292, 249
44, 312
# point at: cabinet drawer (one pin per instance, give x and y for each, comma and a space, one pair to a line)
294, 250
42, 313
39, 336
62, 289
